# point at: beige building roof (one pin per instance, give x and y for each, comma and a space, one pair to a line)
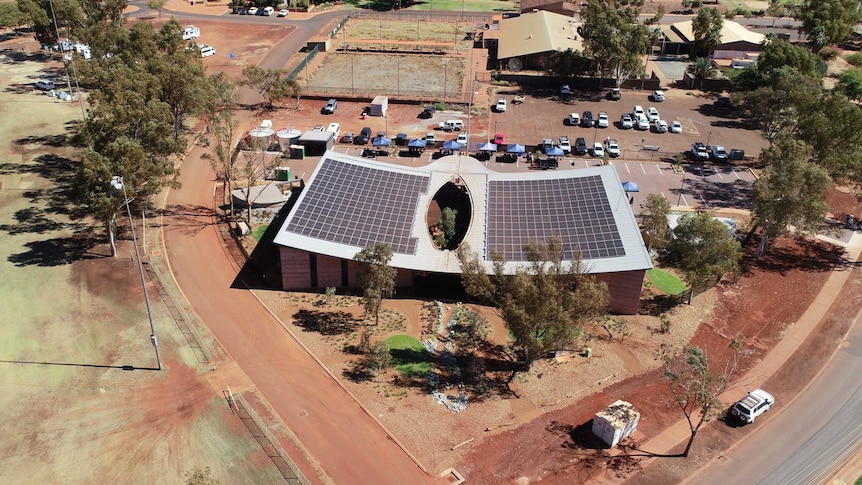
536, 32
730, 32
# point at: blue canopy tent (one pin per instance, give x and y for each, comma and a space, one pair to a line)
451, 145
516, 149
416, 143
554, 151
488, 147
381, 141
630, 187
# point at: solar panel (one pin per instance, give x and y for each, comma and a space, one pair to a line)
576, 209
360, 205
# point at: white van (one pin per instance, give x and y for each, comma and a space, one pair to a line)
268, 11
335, 128
451, 125
206, 50
191, 32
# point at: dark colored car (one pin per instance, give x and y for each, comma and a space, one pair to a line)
588, 120
428, 112
614, 94
363, 137
580, 146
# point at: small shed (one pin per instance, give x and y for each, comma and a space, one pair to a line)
379, 105
616, 422
317, 142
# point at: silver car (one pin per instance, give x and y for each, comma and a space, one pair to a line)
626, 121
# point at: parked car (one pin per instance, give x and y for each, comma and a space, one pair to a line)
719, 154
547, 142
347, 138
753, 405
451, 125
638, 110
612, 148
268, 11
652, 114
675, 126
499, 139
330, 107
252, 11
45, 84
598, 151
283, 12
614, 94
657, 96
660, 126
206, 50
318, 128
335, 128
462, 139
573, 119
626, 121
565, 146
430, 139
580, 146
500, 107
588, 120
698, 150
564, 90
363, 137
642, 123
428, 112
602, 121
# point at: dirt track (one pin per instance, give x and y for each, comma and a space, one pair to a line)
348, 444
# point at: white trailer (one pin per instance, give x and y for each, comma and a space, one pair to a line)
379, 106
616, 422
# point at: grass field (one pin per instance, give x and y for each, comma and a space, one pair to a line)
409, 356
665, 281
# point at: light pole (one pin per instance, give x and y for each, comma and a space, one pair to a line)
117, 184
445, 77
708, 138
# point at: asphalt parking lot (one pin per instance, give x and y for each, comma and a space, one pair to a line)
541, 115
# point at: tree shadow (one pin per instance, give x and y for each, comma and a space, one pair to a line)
57, 251
325, 323
190, 219
805, 254
659, 304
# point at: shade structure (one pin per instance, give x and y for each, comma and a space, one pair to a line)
381, 141
515, 148
451, 145
630, 187
554, 151
416, 143
488, 147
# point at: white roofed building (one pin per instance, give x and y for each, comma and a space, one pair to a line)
350, 203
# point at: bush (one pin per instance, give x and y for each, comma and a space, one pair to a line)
855, 59
378, 358
828, 53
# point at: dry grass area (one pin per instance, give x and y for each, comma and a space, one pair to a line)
430, 431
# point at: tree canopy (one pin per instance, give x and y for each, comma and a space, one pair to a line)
828, 21
377, 277
544, 303
655, 226
790, 191
704, 249
706, 27
612, 37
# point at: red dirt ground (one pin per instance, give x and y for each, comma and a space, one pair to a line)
549, 448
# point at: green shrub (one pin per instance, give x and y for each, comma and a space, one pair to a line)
855, 59
828, 53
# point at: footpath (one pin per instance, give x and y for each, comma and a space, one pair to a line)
679, 432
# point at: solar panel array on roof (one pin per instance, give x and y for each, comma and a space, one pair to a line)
576, 209
360, 206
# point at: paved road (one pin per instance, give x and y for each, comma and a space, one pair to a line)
349, 445
810, 439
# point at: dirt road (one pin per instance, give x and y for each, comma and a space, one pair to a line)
348, 444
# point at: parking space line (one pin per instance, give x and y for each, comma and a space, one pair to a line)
704, 201
662, 194
627, 168
684, 202
642, 168
658, 167
737, 175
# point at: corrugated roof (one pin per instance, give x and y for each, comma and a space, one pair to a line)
535, 32
473, 175
730, 32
